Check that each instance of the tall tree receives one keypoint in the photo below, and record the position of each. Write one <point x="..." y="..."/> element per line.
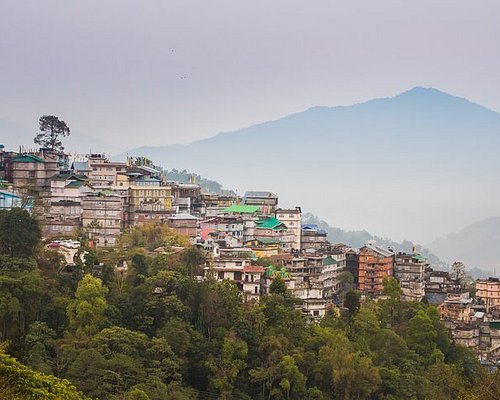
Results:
<point x="19" y="233"/>
<point x="51" y="130"/>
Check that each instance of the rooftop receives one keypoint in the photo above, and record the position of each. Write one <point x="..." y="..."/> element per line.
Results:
<point x="241" y="209"/>
<point x="27" y="158"/>
<point x="269" y="195"/>
<point x="270" y="223"/>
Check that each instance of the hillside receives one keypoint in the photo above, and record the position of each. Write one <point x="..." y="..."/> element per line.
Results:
<point x="406" y="166"/>
<point x="477" y="245"/>
<point x="358" y="239"/>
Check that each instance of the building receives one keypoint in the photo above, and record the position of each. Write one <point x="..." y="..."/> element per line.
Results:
<point x="186" y="197"/>
<point x="104" y="173"/>
<point x="375" y="264"/>
<point x="272" y="228"/>
<point x="409" y="270"/>
<point x="267" y="201"/>
<point x="437" y="286"/>
<point x="292" y="219"/>
<point x="184" y="224"/>
<point x="312" y="237"/>
<point x="9" y="200"/>
<point x="237" y="266"/>
<point x="488" y="292"/>
<point x="148" y="201"/>
<point x="30" y="173"/>
<point x="102" y="217"/>
<point x="457" y="307"/>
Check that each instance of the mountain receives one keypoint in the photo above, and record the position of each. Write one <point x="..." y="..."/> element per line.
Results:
<point x="477" y="246"/>
<point x="357" y="239"/>
<point x="405" y="166"/>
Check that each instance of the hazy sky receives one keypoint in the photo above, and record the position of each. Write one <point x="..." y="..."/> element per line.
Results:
<point x="158" y="72"/>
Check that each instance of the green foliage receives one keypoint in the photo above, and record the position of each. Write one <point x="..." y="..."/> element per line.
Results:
<point x="86" y="311"/>
<point x="19" y="233"/>
<point x="153" y="331"/>
<point x="18" y="382"/>
<point x="51" y="129"/>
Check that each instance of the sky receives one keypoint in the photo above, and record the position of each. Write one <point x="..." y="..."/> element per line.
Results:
<point x="156" y="72"/>
<point x="125" y="74"/>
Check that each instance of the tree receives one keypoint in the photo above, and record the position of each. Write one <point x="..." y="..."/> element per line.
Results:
<point x="51" y="129"/>
<point x="86" y="311"/>
<point x="19" y="233"/>
<point x="18" y="382"/>
<point x="352" y="302"/>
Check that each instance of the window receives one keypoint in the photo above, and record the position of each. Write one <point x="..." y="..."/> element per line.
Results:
<point x="256" y="289"/>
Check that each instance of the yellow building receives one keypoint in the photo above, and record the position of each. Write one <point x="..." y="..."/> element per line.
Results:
<point x="148" y="201"/>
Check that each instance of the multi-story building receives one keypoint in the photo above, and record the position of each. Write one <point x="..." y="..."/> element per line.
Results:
<point x="102" y="217"/>
<point x="267" y="201"/>
<point x="437" y="286"/>
<point x="184" y="224"/>
<point x="488" y="291"/>
<point x="375" y="264"/>
<point x="9" y="200"/>
<point x="236" y="266"/>
<point x="273" y="228"/>
<point x="186" y="197"/>
<point x="104" y="173"/>
<point x="352" y="264"/>
<point x="312" y="237"/>
<point x="30" y="173"/>
<point x="409" y="270"/>
<point x="292" y="219"/>
<point x="148" y="201"/>
<point x="456" y="307"/>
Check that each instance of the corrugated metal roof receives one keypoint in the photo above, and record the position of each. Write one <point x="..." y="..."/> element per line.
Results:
<point x="241" y="209"/>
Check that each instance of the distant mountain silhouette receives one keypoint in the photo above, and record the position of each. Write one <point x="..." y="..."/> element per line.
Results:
<point x="416" y="159"/>
<point x="477" y="245"/>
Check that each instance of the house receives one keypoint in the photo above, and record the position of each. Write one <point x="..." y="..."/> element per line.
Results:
<point x="237" y="266"/>
<point x="148" y="200"/>
<point x="186" y="197"/>
<point x="30" y="173"/>
<point x="437" y="286"/>
<point x="375" y="264"/>
<point x="312" y="237"/>
<point x="409" y="270"/>
<point x="273" y="228"/>
<point x="267" y="201"/>
<point x="488" y="292"/>
<point x="292" y="219"/>
<point x="102" y="216"/>
<point x="184" y="224"/>
<point x="264" y="247"/>
<point x="9" y="200"/>
<point x="456" y="307"/>
<point x="104" y="173"/>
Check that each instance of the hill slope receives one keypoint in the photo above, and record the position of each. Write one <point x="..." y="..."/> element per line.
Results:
<point x="409" y="165"/>
<point x="477" y="245"/>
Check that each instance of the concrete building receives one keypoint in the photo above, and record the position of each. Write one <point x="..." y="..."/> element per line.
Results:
<point x="313" y="237"/>
<point x="148" y="201"/>
<point x="102" y="217"/>
<point x="292" y="219"/>
<point x="184" y="224"/>
<point x="30" y="173"/>
<point x="9" y="200"/>
<point x="267" y="201"/>
<point x="488" y="292"/>
<point x="375" y="264"/>
<point x="409" y="270"/>
<point x="104" y="173"/>
<point x="272" y="228"/>
<point x="236" y="265"/>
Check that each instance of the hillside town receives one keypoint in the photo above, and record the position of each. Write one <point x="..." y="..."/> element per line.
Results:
<point x="249" y="240"/>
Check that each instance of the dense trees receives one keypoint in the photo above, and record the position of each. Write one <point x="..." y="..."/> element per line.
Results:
<point x="153" y="332"/>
